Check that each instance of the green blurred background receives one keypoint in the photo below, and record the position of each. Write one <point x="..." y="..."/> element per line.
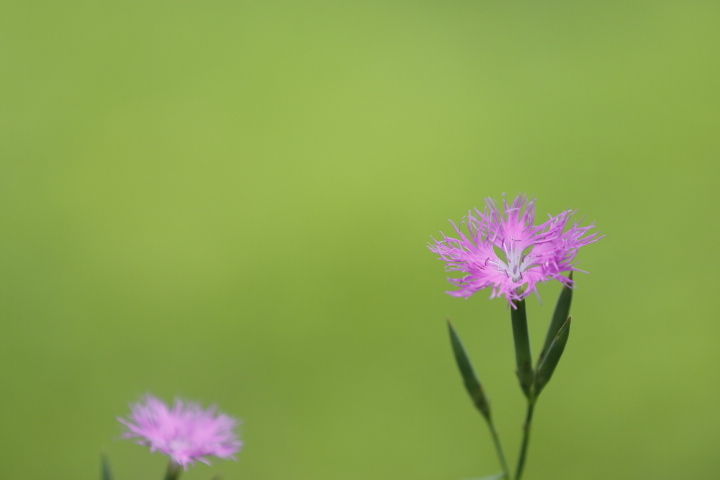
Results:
<point x="231" y="202"/>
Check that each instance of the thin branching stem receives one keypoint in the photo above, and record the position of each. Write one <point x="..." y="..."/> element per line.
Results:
<point x="499" y="449"/>
<point x="526" y="439"/>
<point x="173" y="471"/>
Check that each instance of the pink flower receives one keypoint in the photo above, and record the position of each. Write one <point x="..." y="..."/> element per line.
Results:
<point x="185" y="432"/>
<point x="507" y="252"/>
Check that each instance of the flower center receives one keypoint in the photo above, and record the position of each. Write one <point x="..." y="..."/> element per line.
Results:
<point x="517" y="261"/>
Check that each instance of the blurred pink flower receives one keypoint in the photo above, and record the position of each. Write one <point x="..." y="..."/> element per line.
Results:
<point x="507" y="252"/>
<point x="185" y="432"/>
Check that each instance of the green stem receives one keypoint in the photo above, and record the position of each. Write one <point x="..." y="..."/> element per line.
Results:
<point x="526" y="439"/>
<point x="173" y="471"/>
<point x="499" y="449"/>
<point x="523" y="357"/>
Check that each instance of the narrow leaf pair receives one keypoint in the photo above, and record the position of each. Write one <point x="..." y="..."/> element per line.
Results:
<point x="555" y="341"/>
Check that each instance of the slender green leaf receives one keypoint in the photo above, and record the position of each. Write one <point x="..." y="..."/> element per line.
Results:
<point x="472" y="384"/>
<point x="523" y="357"/>
<point x="106" y="471"/>
<point x="549" y="362"/>
<point x="562" y="312"/>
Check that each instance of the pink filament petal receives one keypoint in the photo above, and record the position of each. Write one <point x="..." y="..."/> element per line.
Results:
<point x="185" y="432"/>
<point x="506" y="252"/>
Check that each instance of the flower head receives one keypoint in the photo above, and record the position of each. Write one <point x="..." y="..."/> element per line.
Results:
<point x="185" y="432"/>
<point x="507" y="252"/>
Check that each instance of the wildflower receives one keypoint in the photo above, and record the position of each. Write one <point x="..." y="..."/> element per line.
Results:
<point x="508" y="253"/>
<point x="185" y="432"/>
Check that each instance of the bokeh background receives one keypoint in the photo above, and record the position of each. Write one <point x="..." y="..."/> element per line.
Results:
<point x="231" y="202"/>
